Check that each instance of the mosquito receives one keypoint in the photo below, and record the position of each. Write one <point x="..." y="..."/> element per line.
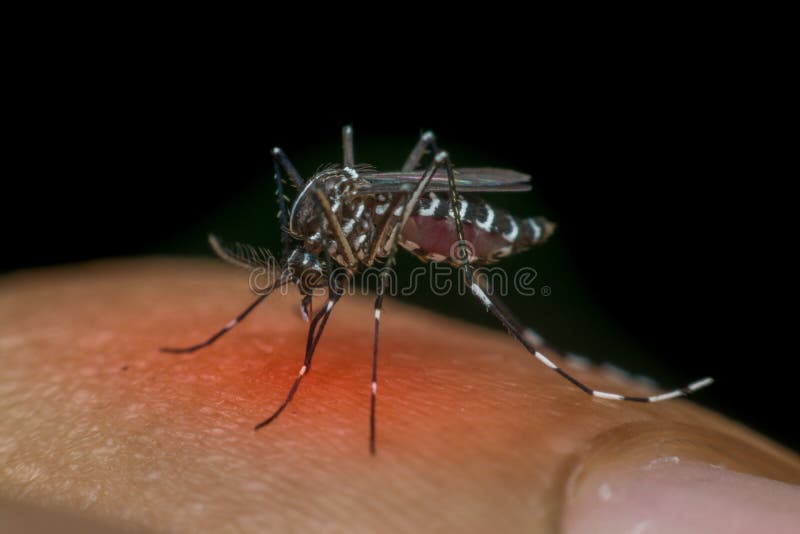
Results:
<point x="349" y="217"/>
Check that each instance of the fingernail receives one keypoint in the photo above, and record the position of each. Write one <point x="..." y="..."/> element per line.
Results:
<point x="669" y="495"/>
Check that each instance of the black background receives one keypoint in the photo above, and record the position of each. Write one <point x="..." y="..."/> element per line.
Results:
<point x="658" y="263"/>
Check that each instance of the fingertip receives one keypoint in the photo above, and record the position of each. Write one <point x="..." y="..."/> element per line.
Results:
<point x="669" y="495"/>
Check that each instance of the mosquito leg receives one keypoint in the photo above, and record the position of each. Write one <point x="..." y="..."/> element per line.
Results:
<point x="403" y="210"/>
<point x="303" y="369"/>
<point x="233" y="322"/>
<point x="426" y="140"/>
<point x="499" y="309"/>
<point x="396" y="217"/>
<point x="347" y="147"/>
<point x="493" y="304"/>
<point x="374" y="389"/>
<point x="321" y="318"/>
<point x="336" y="289"/>
<point x="279" y="160"/>
<point x="423" y="182"/>
<point x="532" y="336"/>
<point x="284" y="162"/>
<point x="335" y="226"/>
<point x="328" y="211"/>
<point x="305" y="308"/>
<point x="283" y="213"/>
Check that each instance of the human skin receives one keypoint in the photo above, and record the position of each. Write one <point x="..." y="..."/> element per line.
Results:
<point x="98" y="429"/>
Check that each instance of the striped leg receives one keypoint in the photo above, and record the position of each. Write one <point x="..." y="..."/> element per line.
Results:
<point x="305" y="308"/>
<point x="426" y="140"/>
<point x="531" y="335"/>
<point x="527" y="337"/>
<point x="335" y="227"/>
<point x="315" y="330"/>
<point x="283" y="212"/>
<point x="233" y="322"/>
<point x="280" y="161"/>
<point x="284" y="162"/>
<point x="394" y="222"/>
<point x="400" y="211"/>
<point x="374" y="389"/>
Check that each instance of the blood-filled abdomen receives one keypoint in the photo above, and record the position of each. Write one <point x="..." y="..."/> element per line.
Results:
<point x="489" y="233"/>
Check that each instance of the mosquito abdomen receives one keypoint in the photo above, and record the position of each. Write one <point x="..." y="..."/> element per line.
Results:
<point x="491" y="233"/>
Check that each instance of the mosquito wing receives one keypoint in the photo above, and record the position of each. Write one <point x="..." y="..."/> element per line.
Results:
<point x="468" y="180"/>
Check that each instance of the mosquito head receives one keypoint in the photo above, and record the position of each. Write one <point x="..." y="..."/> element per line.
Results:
<point x="304" y="213"/>
<point x="305" y="270"/>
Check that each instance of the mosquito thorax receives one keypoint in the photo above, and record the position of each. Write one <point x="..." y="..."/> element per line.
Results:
<point x="355" y="214"/>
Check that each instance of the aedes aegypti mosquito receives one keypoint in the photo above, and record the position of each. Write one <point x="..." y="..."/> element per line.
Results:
<point x="349" y="217"/>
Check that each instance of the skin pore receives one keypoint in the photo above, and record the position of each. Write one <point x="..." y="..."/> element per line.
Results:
<point x="98" y="429"/>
